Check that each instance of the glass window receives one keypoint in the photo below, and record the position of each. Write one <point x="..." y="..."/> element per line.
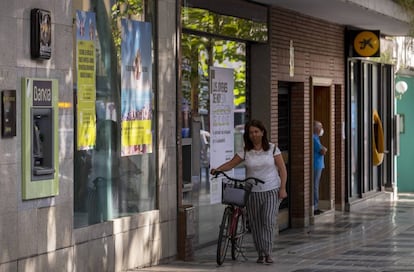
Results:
<point x="107" y="184"/>
<point x="355" y="95"/>
<point x="366" y="122"/>
<point x="202" y="20"/>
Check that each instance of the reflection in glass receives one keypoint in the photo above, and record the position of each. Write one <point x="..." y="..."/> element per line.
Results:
<point x="354" y="129"/>
<point x="106" y="185"/>
<point x="209" y="22"/>
<point x="199" y="53"/>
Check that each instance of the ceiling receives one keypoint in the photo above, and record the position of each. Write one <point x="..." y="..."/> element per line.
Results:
<point x="383" y="15"/>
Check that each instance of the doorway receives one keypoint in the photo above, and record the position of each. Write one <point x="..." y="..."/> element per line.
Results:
<point x="322" y="112"/>
<point x="212" y="36"/>
<point x="370" y="86"/>
<point x="284" y="146"/>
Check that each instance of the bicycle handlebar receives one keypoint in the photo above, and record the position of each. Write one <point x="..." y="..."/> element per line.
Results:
<point x="217" y="173"/>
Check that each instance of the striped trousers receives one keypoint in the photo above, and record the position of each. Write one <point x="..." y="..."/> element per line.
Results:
<point x="262" y="211"/>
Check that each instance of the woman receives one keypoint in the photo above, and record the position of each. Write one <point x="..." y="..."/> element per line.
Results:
<point x="264" y="161"/>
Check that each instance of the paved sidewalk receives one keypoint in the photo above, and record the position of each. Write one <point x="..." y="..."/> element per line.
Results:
<point x="379" y="238"/>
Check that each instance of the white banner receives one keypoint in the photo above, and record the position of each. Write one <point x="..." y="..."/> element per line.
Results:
<point x="221" y="123"/>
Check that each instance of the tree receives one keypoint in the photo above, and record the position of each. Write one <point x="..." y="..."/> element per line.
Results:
<point x="198" y="51"/>
<point x="123" y="9"/>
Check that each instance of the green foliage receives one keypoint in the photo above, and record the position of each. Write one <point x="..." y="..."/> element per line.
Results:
<point x="386" y="57"/>
<point x="222" y="25"/>
<point x="198" y="52"/>
<point x="123" y="9"/>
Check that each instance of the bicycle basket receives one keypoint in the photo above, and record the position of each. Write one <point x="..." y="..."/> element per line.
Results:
<point x="235" y="194"/>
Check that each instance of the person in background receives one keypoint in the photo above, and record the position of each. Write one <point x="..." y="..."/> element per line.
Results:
<point x="263" y="160"/>
<point x="319" y="152"/>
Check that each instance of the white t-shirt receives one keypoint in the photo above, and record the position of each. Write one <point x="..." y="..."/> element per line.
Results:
<point x="261" y="164"/>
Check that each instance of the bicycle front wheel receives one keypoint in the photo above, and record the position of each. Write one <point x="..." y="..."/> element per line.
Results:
<point x="237" y="239"/>
<point x="223" y="238"/>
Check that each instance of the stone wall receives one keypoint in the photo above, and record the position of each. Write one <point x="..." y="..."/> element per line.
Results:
<point x="38" y="235"/>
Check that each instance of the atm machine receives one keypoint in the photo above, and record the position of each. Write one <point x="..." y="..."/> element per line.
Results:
<point x="39" y="138"/>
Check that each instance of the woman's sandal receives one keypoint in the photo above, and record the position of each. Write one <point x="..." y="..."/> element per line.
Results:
<point x="260" y="259"/>
<point x="268" y="260"/>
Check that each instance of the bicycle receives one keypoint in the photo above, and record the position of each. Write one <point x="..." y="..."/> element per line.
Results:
<point x="233" y="224"/>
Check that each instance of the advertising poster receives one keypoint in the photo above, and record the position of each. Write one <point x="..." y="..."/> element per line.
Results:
<point x="136" y="88"/>
<point x="86" y="76"/>
<point x="221" y="123"/>
<point x="8" y="113"/>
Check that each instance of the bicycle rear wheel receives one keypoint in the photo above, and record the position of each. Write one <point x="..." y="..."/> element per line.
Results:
<point x="237" y="239"/>
<point x="223" y="239"/>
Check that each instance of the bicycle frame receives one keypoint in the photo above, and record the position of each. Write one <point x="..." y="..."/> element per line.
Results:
<point x="229" y="228"/>
<point x="236" y="213"/>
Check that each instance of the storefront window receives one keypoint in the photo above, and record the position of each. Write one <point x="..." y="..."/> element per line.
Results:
<point x="114" y="114"/>
<point x="202" y="20"/>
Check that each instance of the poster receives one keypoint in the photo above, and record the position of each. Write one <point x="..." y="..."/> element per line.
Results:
<point x="221" y="123"/>
<point x="86" y="77"/>
<point x="8" y="113"/>
<point x="136" y="88"/>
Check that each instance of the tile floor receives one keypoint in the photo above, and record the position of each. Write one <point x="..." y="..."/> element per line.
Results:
<point x="378" y="238"/>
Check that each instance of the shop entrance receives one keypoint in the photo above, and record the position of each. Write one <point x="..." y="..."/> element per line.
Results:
<point x="371" y="101"/>
<point x="212" y="36"/>
<point x="200" y="53"/>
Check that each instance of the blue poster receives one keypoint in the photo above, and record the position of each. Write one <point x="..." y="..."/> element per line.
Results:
<point x="85" y="25"/>
<point x="136" y="88"/>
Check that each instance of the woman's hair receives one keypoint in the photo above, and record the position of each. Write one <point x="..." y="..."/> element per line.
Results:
<point x="248" y="144"/>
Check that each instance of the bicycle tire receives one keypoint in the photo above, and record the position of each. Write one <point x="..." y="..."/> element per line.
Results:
<point x="223" y="238"/>
<point x="237" y="240"/>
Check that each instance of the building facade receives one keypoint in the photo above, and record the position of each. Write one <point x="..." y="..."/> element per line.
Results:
<point x="87" y="223"/>
<point x="105" y="127"/>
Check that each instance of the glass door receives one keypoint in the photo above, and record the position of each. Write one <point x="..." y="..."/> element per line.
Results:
<point x="198" y="54"/>
<point x="370" y="90"/>
<point x="355" y="131"/>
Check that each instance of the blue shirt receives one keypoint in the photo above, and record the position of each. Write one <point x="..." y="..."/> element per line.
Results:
<point x="318" y="161"/>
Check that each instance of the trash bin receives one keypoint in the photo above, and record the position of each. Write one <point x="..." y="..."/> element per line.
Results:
<point x="186" y="232"/>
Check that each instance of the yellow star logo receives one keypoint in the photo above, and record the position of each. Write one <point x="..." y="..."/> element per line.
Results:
<point x="366" y="43"/>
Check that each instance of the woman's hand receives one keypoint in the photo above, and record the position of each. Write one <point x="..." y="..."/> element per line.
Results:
<point x="228" y="165"/>
<point x="282" y="193"/>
